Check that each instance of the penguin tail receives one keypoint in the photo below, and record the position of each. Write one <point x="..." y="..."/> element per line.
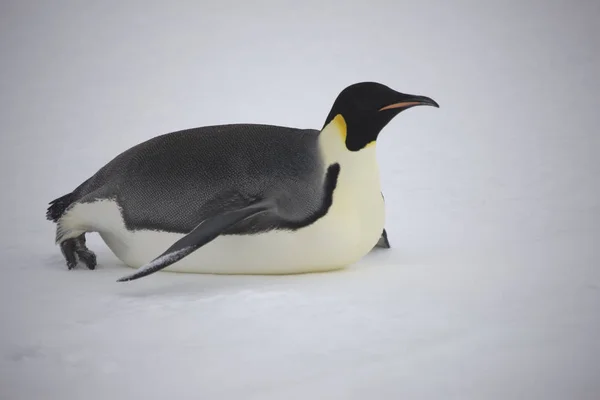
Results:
<point x="58" y="207"/>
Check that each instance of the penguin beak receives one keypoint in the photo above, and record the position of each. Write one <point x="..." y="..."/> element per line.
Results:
<point x="411" y="101"/>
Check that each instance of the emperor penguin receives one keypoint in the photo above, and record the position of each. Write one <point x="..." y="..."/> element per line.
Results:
<point x="241" y="198"/>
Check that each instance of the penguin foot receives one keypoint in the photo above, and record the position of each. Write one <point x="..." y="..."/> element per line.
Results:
<point x="68" y="249"/>
<point x="75" y="250"/>
<point x="86" y="255"/>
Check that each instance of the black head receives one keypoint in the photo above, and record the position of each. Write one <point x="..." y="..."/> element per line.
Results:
<point x="368" y="107"/>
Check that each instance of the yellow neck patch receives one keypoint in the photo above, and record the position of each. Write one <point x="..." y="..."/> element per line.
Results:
<point x="340" y="124"/>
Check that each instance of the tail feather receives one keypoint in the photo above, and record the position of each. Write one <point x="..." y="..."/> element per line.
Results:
<point x="58" y="207"/>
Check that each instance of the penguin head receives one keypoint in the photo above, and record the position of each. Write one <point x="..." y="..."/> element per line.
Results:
<point x="367" y="107"/>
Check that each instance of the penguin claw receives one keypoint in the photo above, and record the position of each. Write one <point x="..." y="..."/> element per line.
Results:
<point x="88" y="257"/>
<point x="75" y="250"/>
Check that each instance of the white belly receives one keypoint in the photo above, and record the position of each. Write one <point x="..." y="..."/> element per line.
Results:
<point x="333" y="242"/>
<point x="349" y="230"/>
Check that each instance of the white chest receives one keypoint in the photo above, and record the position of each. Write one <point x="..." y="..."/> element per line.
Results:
<point x="358" y="204"/>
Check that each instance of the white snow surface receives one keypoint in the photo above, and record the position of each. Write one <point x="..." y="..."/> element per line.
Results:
<point x="491" y="289"/>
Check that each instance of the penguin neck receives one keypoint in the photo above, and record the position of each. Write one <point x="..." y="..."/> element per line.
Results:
<point x="360" y="167"/>
<point x="357" y="204"/>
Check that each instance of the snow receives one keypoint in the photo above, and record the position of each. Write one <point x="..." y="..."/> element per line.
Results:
<point x="491" y="289"/>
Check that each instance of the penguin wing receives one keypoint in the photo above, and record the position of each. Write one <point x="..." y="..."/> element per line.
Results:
<point x="383" y="241"/>
<point x="206" y="231"/>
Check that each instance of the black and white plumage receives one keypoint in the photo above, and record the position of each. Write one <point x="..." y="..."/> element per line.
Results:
<point x="241" y="198"/>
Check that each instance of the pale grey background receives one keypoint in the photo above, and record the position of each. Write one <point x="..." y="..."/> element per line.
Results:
<point x="492" y="288"/>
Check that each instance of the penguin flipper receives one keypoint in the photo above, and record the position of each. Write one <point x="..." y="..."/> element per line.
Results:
<point x="383" y="242"/>
<point x="203" y="233"/>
